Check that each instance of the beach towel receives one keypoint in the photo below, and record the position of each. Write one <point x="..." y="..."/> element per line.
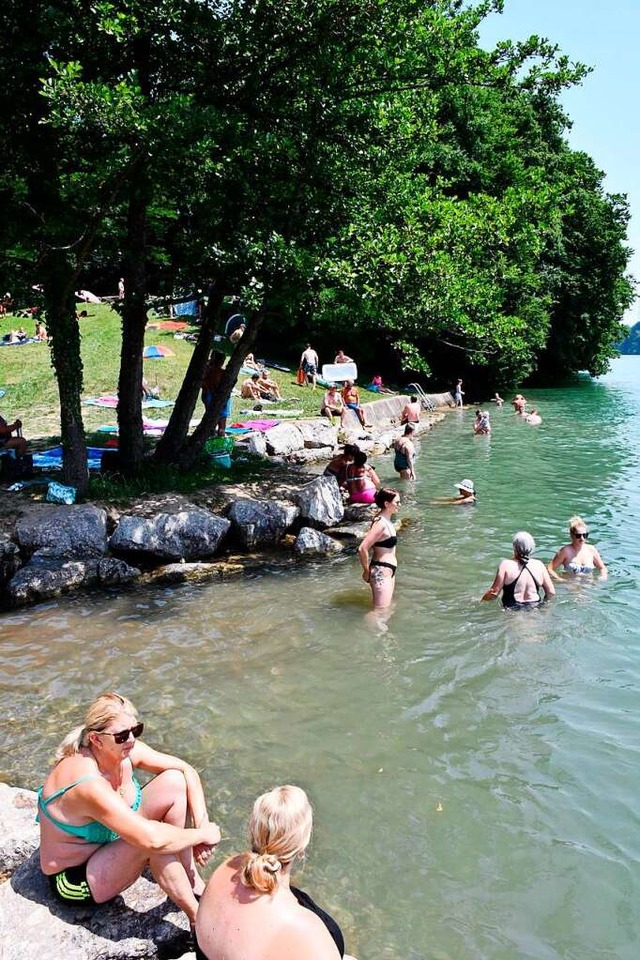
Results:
<point x="154" y="352"/>
<point x="52" y="459"/>
<point x="168" y="325"/>
<point x="110" y="401"/>
<point x="261" y="425"/>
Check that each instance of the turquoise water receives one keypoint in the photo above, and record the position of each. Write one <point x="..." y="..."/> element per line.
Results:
<point x="474" y="771"/>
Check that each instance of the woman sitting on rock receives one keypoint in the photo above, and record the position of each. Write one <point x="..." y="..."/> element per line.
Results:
<point x="250" y="910"/>
<point x="99" y="829"/>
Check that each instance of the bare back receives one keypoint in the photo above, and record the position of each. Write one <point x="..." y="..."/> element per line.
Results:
<point x="237" y="923"/>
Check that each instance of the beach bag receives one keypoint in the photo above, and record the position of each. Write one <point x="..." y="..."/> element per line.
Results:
<point x="59" y="493"/>
<point x="301" y="377"/>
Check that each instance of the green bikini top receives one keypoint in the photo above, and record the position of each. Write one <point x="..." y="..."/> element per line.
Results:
<point x="92" y="832"/>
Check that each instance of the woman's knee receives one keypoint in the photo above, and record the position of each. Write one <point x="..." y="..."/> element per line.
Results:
<point x="168" y="789"/>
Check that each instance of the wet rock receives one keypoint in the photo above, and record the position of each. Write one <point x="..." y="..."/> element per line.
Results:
<point x="309" y="455"/>
<point x="312" y="542"/>
<point x="261" y="522"/>
<point x="112" y="572"/>
<point x="190" y="535"/>
<point x="350" y="531"/>
<point x="194" y="572"/>
<point x="284" y="439"/>
<point x="46" y="577"/>
<point x="9" y="560"/>
<point x="72" y="531"/>
<point x="357" y="512"/>
<point x="320" y="502"/>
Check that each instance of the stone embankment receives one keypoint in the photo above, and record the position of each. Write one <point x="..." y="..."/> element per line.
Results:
<point x="52" y="550"/>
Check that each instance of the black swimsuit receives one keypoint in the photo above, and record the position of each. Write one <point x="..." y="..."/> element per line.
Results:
<point x="305" y="901"/>
<point x="509" y="589"/>
<point x="386" y="544"/>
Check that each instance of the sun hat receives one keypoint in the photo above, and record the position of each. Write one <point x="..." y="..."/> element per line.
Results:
<point x="466" y="485"/>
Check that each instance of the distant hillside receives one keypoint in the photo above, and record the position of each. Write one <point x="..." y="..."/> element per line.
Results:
<point x="631" y="344"/>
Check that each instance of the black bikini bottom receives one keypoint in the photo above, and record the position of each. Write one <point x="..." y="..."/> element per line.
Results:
<point x="383" y="563"/>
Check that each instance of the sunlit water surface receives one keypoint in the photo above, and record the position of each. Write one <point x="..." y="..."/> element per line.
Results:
<point x="474" y="772"/>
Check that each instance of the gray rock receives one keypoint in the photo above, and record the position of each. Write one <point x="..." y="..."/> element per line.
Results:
<point x="311" y="454"/>
<point x="72" y="531"/>
<point x="9" y="560"/>
<point x="320" y="502"/>
<point x="284" y="439"/>
<point x="254" y="444"/>
<point x="357" y="512"/>
<point x="45" y="577"/>
<point x="350" y="531"/>
<point x="311" y="542"/>
<point x="318" y="432"/>
<point x="260" y="522"/>
<point x="190" y="535"/>
<point x="19" y="833"/>
<point x="112" y="572"/>
<point x="195" y="572"/>
<point x="139" y="923"/>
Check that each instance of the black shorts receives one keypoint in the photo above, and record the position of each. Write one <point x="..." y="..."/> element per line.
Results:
<point x="70" y="885"/>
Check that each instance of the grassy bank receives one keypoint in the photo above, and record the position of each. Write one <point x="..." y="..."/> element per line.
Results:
<point x="27" y="376"/>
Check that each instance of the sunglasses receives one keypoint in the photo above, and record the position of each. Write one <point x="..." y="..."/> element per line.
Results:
<point x="123" y="735"/>
<point x="581" y="536"/>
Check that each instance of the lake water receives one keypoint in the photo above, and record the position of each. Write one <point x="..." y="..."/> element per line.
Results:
<point x="475" y="772"/>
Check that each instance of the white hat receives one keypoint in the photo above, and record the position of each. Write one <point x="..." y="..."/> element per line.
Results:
<point x="466" y="485"/>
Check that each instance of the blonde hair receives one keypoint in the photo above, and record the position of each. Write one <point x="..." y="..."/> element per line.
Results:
<point x="576" y="522"/>
<point x="279" y="831"/>
<point x="101" y="712"/>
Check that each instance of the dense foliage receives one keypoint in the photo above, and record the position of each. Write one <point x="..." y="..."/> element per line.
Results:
<point x="355" y="170"/>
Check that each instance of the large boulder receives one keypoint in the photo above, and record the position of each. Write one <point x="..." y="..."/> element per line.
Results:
<point x="261" y="522"/>
<point x="141" y="922"/>
<point x="320" y="502"/>
<point x="66" y="531"/>
<point x="284" y="439"/>
<point x="189" y="535"/>
<point x="318" y="433"/>
<point x="314" y="543"/>
<point x="19" y="833"/>
<point x="311" y="455"/>
<point x="47" y="575"/>
<point x="253" y="443"/>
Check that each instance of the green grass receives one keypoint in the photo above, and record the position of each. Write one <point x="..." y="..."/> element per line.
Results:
<point x="27" y="377"/>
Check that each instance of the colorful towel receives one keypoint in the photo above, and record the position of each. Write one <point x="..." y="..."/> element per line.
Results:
<point x="168" y="325"/>
<point x="112" y="402"/>
<point x="52" y="459"/>
<point x="261" y="425"/>
<point x="154" y="352"/>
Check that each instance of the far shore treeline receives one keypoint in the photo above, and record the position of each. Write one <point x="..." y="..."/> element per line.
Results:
<point x="357" y="172"/>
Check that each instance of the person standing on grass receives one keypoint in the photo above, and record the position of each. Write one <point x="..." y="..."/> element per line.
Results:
<point x="309" y="363"/>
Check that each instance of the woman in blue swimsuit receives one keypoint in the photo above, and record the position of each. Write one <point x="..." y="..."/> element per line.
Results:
<point x="577" y="556"/>
<point x="521" y="579"/>
<point x="99" y="829"/>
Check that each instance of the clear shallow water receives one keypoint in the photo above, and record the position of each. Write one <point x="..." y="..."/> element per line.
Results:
<point x="474" y="772"/>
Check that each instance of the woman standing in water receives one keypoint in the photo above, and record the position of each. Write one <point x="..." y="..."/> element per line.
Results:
<point x="578" y="556"/>
<point x="521" y="578"/>
<point x="380" y="571"/>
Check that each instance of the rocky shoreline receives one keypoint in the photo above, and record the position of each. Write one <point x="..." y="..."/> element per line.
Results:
<point x="49" y="550"/>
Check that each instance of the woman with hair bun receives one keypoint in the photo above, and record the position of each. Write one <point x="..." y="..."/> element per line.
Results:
<point x="250" y="910"/>
<point x="380" y="571"/>
<point x="99" y="829"/>
<point x="521" y="578"/>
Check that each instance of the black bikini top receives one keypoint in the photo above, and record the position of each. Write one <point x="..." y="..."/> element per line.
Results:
<point x="389" y="542"/>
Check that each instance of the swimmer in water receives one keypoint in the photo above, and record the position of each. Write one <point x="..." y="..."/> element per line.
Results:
<point x="577" y="556"/>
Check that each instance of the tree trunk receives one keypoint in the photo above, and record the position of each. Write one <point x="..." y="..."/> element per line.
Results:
<point x="192" y="449"/>
<point x="172" y="441"/>
<point x="58" y="275"/>
<point x="134" y="320"/>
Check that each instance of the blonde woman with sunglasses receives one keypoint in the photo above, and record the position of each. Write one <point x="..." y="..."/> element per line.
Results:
<point x="99" y="829"/>
<point x="578" y="556"/>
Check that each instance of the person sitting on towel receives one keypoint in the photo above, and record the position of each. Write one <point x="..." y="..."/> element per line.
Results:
<point x="249" y="389"/>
